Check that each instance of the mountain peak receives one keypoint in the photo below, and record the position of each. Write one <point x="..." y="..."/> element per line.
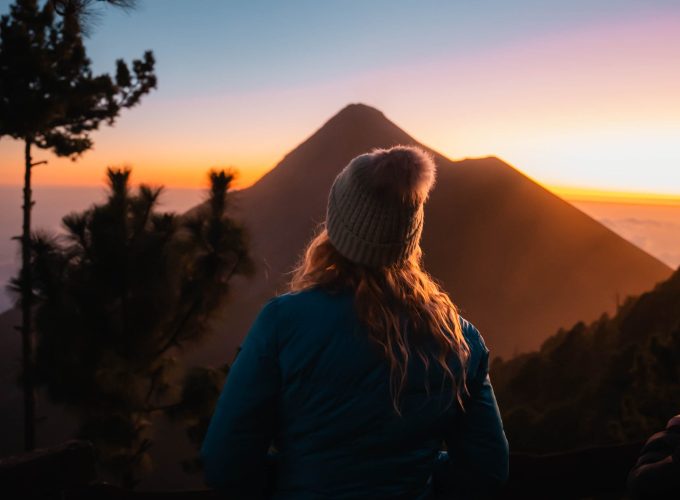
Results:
<point x="364" y="125"/>
<point x="358" y="109"/>
<point x="357" y="128"/>
<point x="358" y="115"/>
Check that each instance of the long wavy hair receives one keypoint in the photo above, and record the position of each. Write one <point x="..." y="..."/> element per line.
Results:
<point x="403" y="307"/>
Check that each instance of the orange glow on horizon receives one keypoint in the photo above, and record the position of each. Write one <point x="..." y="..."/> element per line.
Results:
<point x="590" y="113"/>
<point x="571" y="193"/>
<point x="181" y="176"/>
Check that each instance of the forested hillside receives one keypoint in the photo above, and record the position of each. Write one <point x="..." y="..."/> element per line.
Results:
<point x="615" y="380"/>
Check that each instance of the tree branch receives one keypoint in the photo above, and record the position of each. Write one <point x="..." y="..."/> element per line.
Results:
<point x="173" y="339"/>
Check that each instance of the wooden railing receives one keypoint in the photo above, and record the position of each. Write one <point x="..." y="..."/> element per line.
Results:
<point x="68" y="472"/>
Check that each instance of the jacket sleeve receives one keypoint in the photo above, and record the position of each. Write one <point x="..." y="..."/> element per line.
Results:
<point x="234" y="451"/>
<point x="478" y="453"/>
<point x="657" y="472"/>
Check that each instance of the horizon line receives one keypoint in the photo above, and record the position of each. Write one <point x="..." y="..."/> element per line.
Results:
<point x="569" y="193"/>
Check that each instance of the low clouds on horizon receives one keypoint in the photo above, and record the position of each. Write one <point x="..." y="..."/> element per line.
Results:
<point x="655" y="229"/>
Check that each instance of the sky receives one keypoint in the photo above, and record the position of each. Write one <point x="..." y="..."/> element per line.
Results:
<point x="581" y="96"/>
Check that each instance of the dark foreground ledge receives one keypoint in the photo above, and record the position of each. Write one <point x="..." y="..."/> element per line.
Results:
<point x="67" y="472"/>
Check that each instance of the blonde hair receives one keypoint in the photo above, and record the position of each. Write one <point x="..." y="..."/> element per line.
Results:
<point x="384" y="297"/>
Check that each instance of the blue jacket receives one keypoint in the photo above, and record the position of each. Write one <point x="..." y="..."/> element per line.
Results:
<point x="308" y="381"/>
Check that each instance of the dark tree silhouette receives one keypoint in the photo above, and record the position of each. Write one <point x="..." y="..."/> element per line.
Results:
<point x="88" y="11"/>
<point x="616" y="380"/>
<point x="116" y="296"/>
<point x="50" y="99"/>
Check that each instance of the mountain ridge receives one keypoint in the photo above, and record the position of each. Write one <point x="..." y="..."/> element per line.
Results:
<point x="502" y="213"/>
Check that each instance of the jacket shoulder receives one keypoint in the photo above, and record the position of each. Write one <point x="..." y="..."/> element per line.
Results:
<point x="302" y="300"/>
<point x="478" y="362"/>
<point x="300" y="307"/>
<point x="297" y="296"/>
<point x="473" y="337"/>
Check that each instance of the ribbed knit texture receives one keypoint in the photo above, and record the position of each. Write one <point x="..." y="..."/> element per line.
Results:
<point x="369" y="227"/>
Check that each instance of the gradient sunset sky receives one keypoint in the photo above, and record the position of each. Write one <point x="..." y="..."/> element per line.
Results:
<point x="582" y="96"/>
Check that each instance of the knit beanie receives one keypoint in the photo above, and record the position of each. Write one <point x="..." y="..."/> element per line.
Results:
<point x="375" y="207"/>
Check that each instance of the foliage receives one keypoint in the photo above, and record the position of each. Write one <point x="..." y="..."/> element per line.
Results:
<point x="116" y="295"/>
<point x="49" y="96"/>
<point x="615" y="380"/>
<point x="88" y="12"/>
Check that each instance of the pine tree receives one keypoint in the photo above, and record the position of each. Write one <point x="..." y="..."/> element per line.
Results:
<point x="116" y="297"/>
<point x="50" y="99"/>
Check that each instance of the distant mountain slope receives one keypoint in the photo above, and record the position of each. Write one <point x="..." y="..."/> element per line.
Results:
<point x="615" y="380"/>
<point x="520" y="261"/>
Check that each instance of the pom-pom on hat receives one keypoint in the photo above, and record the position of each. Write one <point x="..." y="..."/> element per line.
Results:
<point x="375" y="207"/>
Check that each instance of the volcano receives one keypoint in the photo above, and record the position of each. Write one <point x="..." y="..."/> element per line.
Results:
<point x="519" y="261"/>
